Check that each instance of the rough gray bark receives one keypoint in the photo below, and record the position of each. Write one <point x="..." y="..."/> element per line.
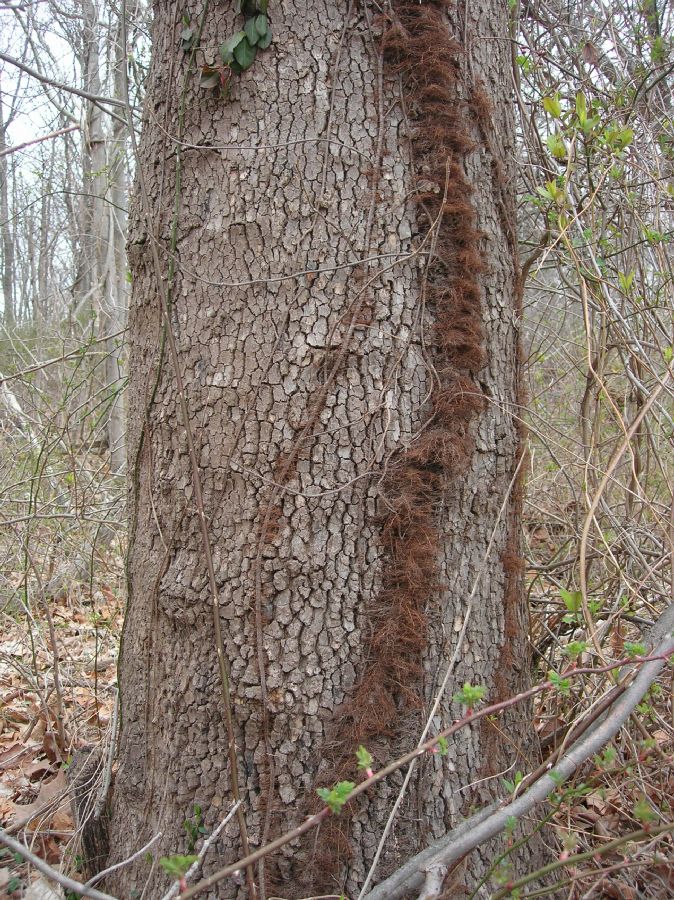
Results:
<point x="307" y="349"/>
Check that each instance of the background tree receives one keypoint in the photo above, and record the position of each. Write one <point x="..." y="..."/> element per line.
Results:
<point x="324" y="505"/>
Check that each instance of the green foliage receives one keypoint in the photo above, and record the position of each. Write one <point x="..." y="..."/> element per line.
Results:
<point x="336" y="796"/>
<point x="563" y="685"/>
<point x="573" y="600"/>
<point x="606" y="759"/>
<point x="525" y="63"/>
<point x="470" y="694"/>
<point x="643" y="812"/>
<point x="443" y="746"/>
<point x="557" y="146"/>
<point x="238" y="52"/>
<point x="187" y="38"/>
<point x="553" y="106"/>
<point x="511" y="786"/>
<point x="635" y="649"/>
<point x="574" y="649"/>
<point x="557" y="777"/>
<point x="194" y="828"/>
<point x="364" y="758"/>
<point x="176" y="866"/>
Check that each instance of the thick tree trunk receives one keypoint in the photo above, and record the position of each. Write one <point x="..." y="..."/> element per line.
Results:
<point x="343" y="293"/>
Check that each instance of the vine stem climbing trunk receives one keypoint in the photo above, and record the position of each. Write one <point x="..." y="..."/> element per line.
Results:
<point x="339" y="258"/>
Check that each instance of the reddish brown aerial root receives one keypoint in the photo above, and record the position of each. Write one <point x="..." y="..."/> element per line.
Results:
<point x="417" y="48"/>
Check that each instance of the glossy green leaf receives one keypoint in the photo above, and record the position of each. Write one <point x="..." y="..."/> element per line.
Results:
<point x="227" y="49"/>
<point x="245" y="54"/>
<point x="251" y="32"/>
<point x="265" y="41"/>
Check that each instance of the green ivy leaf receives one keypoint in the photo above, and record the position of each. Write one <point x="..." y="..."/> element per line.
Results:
<point x="261" y="25"/>
<point x="245" y="54"/>
<point x="251" y="32"/>
<point x="227" y="49"/>
<point x="265" y="41"/>
<point x="210" y="79"/>
<point x="187" y="38"/>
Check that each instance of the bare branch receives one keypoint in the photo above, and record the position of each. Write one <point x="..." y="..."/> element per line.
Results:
<point x="93" y="98"/>
<point x="39" y="140"/>
<point x="75" y="886"/>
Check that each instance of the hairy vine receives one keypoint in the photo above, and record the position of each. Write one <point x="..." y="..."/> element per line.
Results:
<point x="419" y="52"/>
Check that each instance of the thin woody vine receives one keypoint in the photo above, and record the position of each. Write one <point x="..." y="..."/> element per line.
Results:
<point x="238" y="52"/>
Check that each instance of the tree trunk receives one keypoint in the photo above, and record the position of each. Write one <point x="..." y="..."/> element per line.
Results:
<point x="116" y="294"/>
<point x="100" y="285"/>
<point x="6" y="232"/>
<point x="343" y="295"/>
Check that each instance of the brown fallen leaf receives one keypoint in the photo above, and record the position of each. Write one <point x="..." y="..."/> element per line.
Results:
<point x="44" y="808"/>
<point x="11" y="757"/>
<point x="39" y="769"/>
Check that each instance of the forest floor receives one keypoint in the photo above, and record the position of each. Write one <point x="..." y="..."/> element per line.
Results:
<point x="45" y="720"/>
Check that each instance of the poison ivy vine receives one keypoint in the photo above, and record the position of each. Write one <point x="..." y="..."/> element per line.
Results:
<point x="239" y="51"/>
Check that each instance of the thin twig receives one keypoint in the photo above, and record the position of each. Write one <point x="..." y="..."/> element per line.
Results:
<point x="475" y="832"/>
<point x="651" y="665"/>
<point x="38" y="140"/>
<point x="68" y="883"/>
<point x="196" y="865"/>
<point x="125" y="862"/>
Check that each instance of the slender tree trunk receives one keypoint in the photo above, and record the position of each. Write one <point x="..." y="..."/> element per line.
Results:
<point x="6" y="234"/>
<point x="41" y="298"/>
<point x="101" y="280"/>
<point x="343" y="295"/>
<point x="116" y="294"/>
